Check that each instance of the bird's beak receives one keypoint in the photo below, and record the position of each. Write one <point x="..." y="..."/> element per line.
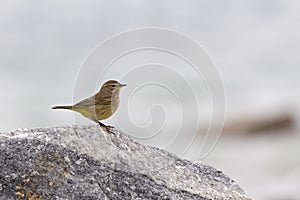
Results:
<point x="122" y="85"/>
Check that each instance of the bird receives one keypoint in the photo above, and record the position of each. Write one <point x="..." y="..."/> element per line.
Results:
<point x="100" y="106"/>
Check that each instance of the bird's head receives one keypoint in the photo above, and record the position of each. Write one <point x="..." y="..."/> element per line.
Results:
<point x="112" y="87"/>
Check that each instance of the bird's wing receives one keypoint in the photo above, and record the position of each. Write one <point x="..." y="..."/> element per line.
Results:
<point x="91" y="102"/>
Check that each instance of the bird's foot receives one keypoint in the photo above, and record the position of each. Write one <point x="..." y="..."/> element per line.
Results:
<point x="108" y="129"/>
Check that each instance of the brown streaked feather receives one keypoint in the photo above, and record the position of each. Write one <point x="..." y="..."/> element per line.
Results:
<point x="91" y="102"/>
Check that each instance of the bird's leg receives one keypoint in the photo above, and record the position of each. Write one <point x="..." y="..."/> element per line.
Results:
<point x="101" y="124"/>
<point x="107" y="128"/>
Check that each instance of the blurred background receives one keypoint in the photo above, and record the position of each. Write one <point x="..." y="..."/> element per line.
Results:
<point x="254" y="44"/>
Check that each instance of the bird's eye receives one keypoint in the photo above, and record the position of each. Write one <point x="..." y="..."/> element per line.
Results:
<point x="113" y="86"/>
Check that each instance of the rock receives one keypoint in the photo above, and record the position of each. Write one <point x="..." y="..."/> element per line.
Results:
<point x="77" y="162"/>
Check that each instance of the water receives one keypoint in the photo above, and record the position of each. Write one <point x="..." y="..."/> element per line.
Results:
<point x="255" y="45"/>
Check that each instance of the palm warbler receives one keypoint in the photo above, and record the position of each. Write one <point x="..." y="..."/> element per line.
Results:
<point x="100" y="106"/>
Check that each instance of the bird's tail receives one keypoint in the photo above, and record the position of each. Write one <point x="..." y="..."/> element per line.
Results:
<point x="63" y="107"/>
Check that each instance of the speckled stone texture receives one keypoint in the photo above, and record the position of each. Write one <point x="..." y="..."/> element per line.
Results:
<point x="78" y="162"/>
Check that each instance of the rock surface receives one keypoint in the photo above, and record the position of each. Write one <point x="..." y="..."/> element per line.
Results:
<point x="77" y="162"/>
